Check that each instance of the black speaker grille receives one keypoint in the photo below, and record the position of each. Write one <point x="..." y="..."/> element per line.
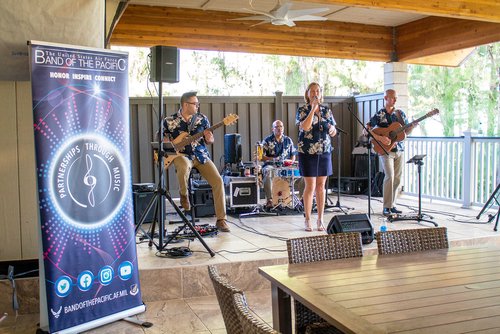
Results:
<point x="352" y="223"/>
<point x="164" y="64"/>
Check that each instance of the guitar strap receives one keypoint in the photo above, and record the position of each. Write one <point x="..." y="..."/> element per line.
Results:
<point x="192" y="123"/>
<point x="400" y="118"/>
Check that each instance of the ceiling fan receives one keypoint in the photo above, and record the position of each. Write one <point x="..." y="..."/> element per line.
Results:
<point x="282" y="15"/>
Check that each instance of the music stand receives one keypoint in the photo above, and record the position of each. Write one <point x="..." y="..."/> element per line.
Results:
<point x="328" y="207"/>
<point x="161" y="193"/>
<point x="420" y="217"/>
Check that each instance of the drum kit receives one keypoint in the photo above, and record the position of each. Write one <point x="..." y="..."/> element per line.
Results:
<point x="283" y="176"/>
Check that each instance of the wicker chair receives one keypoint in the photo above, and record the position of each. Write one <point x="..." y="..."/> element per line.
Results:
<point x="320" y="248"/>
<point x="224" y="292"/>
<point x="249" y="323"/>
<point x="412" y="240"/>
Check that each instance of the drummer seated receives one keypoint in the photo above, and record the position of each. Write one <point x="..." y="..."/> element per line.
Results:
<point x="277" y="150"/>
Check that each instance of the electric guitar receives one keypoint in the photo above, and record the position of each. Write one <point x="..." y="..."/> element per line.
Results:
<point x="396" y="133"/>
<point x="184" y="139"/>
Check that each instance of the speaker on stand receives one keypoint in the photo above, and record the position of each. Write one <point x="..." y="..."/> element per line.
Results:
<point x="164" y="64"/>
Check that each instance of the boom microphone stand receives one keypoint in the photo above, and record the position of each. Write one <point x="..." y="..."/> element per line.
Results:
<point x="339" y="153"/>
<point x="161" y="193"/>
<point x="368" y="146"/>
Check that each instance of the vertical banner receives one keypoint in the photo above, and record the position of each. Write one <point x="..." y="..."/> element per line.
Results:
<point x="89" y="272"/>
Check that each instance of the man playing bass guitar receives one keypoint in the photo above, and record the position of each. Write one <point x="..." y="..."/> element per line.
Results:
<point x="189" y="121"/>
<point x="392" y="163"/>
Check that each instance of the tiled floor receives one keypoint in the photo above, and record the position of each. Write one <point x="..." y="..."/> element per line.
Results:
<point x="262" y="238"/>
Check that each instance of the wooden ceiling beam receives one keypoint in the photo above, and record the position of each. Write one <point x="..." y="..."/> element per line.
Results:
<point x="146" y="26"/>
<point x="477" y="10"/>
<point x="436" y="35"/>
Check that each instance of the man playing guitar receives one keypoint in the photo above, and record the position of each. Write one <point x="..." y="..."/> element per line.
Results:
<point x="189" y="121"/>
<point x="393" y="162"/>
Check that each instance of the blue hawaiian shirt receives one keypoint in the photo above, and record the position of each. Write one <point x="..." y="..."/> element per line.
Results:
<point x="383" y="119"/>
<point x="175" y="125"/>
<point x="275" y="149"/>
<point x="316" y="140"/>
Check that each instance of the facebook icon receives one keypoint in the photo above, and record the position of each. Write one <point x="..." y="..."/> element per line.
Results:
<point x="85" y="280"/>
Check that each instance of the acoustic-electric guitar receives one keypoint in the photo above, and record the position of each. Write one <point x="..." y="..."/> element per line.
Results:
<point x="184" y="139"/>
<point x="396" y="133"/>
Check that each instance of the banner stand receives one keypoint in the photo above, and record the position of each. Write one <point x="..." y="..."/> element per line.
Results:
<point x="89" y="274"/>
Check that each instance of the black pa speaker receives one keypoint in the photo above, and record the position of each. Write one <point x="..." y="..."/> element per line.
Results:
<point x="352" y="223"/>
<point x="232" y="148"/>
<point x="164" y="64"/>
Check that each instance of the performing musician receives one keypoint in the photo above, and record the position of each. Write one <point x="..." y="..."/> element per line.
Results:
<point x="189" y="120"/>
<point x="392" y="163"/>
<point x="278" y="151"/>
<point x="316" y="127"/>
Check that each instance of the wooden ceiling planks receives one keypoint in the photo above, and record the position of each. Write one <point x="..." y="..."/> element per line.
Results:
<point x="197" y="29"/>
<point x="436" y="35"/>
<point x="477" y="10"/>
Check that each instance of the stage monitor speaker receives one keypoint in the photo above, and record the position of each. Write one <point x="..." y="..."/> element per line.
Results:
<point x="352" y="223"/>
<point x="164" y="64"/>
<point x="232" y="148"/>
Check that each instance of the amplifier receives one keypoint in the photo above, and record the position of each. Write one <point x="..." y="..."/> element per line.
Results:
<point x="352" y="223"/>
<point x="141" y="201"/>
<point x="143" y="187"/>
<point x="203" y="199"/>
<point x="242" y="192"/>
<point x="350" y="185"/>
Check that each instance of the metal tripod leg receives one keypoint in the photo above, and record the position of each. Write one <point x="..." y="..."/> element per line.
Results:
<point x="187" y="223"/>
<point x="418" y="218"/>
<point x="150" y="235"/>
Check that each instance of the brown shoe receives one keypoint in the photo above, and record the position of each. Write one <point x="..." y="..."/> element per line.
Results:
<point x="185" y="202"/>
<point x="222" y="225"/>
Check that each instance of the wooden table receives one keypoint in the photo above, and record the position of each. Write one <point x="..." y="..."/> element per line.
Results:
<point x="443" y="291"/>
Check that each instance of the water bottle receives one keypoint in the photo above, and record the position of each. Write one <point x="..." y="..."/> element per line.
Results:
<point x="383" y="227"/>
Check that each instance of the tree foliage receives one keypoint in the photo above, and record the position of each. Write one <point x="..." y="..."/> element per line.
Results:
<point x="467" y="96"/>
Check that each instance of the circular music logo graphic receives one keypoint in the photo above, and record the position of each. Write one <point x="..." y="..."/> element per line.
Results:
<point x="87" y="181"/>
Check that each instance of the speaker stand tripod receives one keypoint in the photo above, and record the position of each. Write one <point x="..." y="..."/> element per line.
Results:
<point x="420" y="217"/>
<point x="161" y="194"/>
<point x="328" y="207"/>
<point x="494" y="196"/>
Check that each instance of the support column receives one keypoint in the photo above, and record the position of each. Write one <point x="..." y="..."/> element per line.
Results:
<point x="278" y="105"/>
<point x="396" y="77"/>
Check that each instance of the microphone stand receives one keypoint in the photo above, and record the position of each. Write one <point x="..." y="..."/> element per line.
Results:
<point x="369" y="150"/>
<point x="339" y="151"/>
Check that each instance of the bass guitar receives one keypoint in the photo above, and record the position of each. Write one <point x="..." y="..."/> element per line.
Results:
<point x="184" y="139"/>
<point x="396" y="133"/>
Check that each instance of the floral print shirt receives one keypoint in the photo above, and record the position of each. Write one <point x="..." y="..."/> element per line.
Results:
<point x="316" y="140"/>
<point x="383" y="119"/>
<point x="275" y="149"/>
<point x="175" y="125"/>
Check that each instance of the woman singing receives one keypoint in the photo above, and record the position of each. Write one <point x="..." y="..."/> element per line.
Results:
<point x="316" y="127"/>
